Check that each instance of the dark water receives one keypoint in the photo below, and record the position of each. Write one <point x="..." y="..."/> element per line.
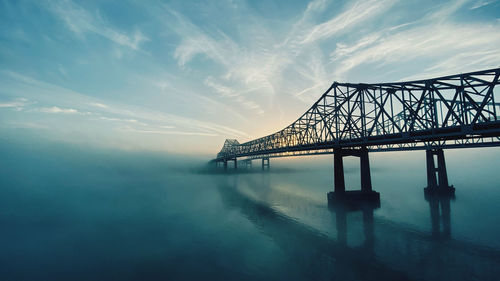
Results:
<point x="70" y="213"/>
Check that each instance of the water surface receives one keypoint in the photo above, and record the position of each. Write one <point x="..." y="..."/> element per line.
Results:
<point x="69" y="213"/>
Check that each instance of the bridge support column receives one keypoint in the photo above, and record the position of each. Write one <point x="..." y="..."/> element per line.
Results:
<point x="265" y="164"/>
<point x="340" y="194"/>
<point x="338" y="171"/>
<point x="366" y="178"/>
<point x="230" y="159"/>
<point x="437" y="178"/>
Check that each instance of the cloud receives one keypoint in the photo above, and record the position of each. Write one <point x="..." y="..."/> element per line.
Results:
<point x="222" y="90"/>
<point x="195" y="41"/>
<point x="263" y="69"/>
<point x="468" y="60"/>
<point x="27" y="125"/>
<point x="448" y="46"/>
<point x="18" y="103"/>
<point x="248" y="71"/>
<point x="77" y="103"/>
<point x="344" y="50"/>
<point x="99" y="105"/>
<point x="481" y="3"/>
<point x="228" y="92"/>
<point x="58" y="110"/>
<point x="265" y="66"/>
<point x="118" y="119"/>
<point x="166" y="132"/>
<point x="80" y="21"/>
<point x="359" y="12"/>
<point x="125" y="120"/>
<point x="315" y="6"/>
<point x="445" y="10"/>
<point x="173" y="86"/>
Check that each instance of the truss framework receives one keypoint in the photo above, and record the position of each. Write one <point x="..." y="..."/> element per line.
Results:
<point x="453" y="111"/>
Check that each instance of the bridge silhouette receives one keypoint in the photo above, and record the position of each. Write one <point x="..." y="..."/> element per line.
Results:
<point x="353" y="119"/>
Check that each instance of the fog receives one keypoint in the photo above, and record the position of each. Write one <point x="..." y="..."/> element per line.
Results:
<point x="76" y="212"/>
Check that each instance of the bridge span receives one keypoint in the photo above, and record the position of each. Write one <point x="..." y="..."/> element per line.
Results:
<point x="353" y="119"/>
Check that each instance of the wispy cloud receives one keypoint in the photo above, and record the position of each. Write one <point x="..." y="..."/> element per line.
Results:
<point x="166" y="132"/>
<point x="221" y="89"/>
<point x="18" y="103"/>
<point x="266" y="62"/>
<point x="58" y="110"/>
<point x="27" y="125"/>
<point x="80" y="21"/>
<point x="344" y="50"/>
<point x="99" y="105"/>
<point x="243" y="77"/>
<point x="448" y="46"/>
<point x="359" y="12"/>
<point x="77" y="103"/>
<point x="481" y="3"/>
<point x="118" y="119"/>
<point x="239" y="97"/>
<point x="445" y="10"/>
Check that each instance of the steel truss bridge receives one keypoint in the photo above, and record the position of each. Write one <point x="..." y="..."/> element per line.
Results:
<point x="349" y="119"/>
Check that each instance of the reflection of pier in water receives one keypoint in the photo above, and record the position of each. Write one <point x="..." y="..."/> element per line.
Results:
<point x="390" y="251"/>
<point x="440" y="217"/>
<point x="316" y="253"/>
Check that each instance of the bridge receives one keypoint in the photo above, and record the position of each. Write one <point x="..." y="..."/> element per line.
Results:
<point x="353" y="119"/>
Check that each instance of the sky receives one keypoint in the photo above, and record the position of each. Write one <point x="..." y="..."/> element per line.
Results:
<point x="182" y="76"/>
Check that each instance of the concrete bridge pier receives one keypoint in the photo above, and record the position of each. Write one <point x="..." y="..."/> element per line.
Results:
<point x="219" y="163"/>
<point x="338" y="172"/>
<point x="340" y="194"/>
<point x="437" y="178"/>
<point x="230" y="159"/>
<point x="265" y="164"/>
<point x="248" y="163"/>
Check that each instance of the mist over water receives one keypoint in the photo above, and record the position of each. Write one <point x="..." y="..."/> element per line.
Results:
<point x="79" y="213"/>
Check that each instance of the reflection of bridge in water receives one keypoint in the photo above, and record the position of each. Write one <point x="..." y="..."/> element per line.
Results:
<point x="457" y="111"/>
<point x="390" y="251"/>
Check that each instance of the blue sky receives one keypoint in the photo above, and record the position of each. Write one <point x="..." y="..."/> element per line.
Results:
<point x="182" y="76"/>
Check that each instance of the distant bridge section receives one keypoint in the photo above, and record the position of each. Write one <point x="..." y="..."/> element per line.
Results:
<point x="351" y="119"/>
